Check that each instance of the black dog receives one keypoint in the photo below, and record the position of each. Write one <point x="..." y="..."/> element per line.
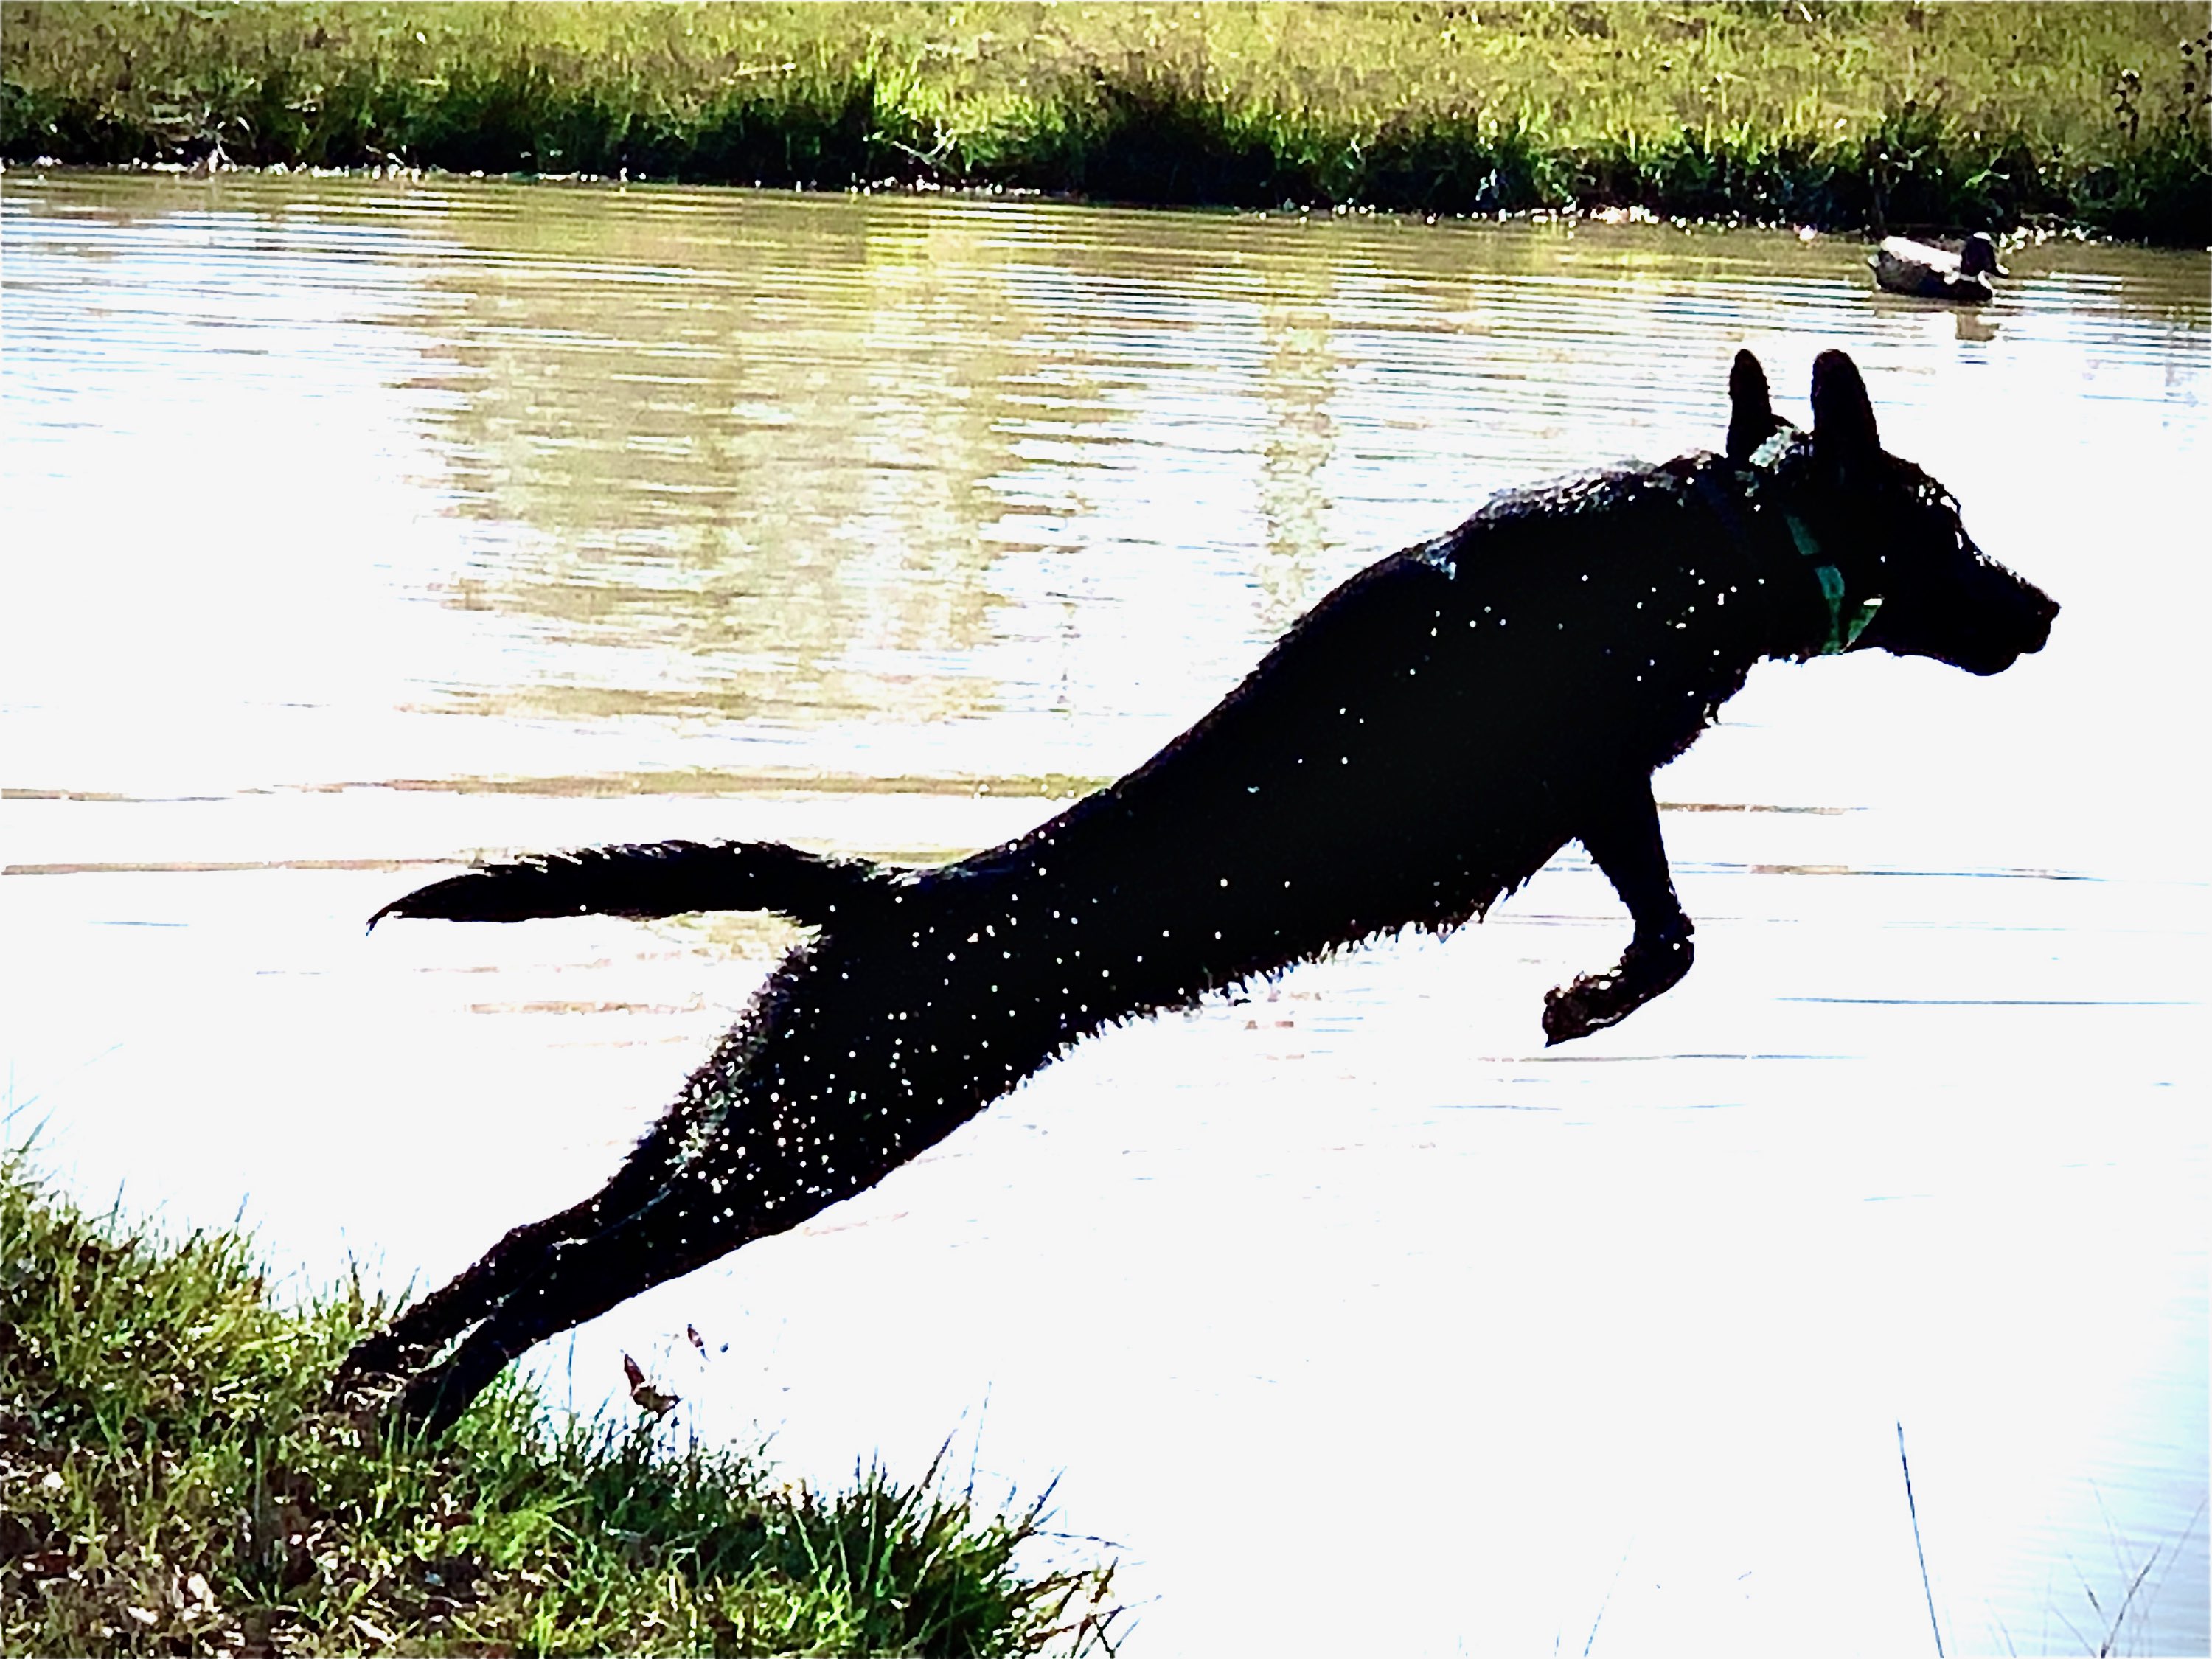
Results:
<point x="1419" y="744"/>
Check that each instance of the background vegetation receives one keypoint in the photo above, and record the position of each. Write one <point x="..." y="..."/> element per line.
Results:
<point x="169" y="1483"/>
<point x="1829" y="112"/>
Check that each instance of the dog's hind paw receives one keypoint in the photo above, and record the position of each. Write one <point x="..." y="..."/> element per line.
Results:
<point x="1594" y="1001"/>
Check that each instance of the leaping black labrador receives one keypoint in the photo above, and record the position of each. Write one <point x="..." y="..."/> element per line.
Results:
<point x="1417" y="746"/>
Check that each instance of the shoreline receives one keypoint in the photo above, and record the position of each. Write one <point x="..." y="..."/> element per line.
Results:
<point x="2028" y="233"/>
<point x="2092" y="120"/>
<point x="176" y="1481"/>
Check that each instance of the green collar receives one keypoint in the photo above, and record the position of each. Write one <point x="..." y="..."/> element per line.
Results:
<point x="1844" y="626"/>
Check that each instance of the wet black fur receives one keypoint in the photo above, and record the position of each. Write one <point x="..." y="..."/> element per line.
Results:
<point x="1419" y="744"/>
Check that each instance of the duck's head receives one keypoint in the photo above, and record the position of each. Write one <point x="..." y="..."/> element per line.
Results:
<point x="1979" y="257"/>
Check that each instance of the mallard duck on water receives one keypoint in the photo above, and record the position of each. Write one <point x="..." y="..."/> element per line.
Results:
<point x="1935" y="273"/>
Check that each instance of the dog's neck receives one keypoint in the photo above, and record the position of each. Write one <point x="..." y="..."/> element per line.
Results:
<point x="1737" y="495"/>
<point x="1846" y="622"/>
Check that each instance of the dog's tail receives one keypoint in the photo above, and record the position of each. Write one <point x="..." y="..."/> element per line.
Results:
<point x="658" y="878"/>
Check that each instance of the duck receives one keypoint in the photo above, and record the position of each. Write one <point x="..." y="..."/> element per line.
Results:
<point x="1935" y="273"/>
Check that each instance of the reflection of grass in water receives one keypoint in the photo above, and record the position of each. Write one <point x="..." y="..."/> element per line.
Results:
<point x="2110" y="1630"/>
<point x="2133" y="1598"/>
<point x="168" y="1482"/>
<point x="707" y="780"/>
<point x="2117" y="1622"/>
<point x="1807" y="110"/>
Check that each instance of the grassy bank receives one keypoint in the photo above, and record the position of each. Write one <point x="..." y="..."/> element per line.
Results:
<point x="1818" y="112"/>
<point x="167" y="1484"/>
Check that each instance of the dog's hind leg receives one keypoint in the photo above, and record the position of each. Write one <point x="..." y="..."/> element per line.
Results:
<point x="410" y="1341"/>
<point x="416" y="1337"/>
<point x="1623" y="837"/>
<point x="413" y="1339"/>
<point x="579" y="1280"/>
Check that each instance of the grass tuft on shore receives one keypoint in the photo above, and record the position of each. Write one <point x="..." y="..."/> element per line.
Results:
<point x="169" y="1483"/>
<point x="1825" y="112"/>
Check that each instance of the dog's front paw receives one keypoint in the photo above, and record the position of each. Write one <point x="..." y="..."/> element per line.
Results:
<point x="1568" y="1012"/>
<point x="1594" y="1001"/>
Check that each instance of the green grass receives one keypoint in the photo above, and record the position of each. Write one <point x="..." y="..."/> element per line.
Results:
<point x="169" y="1483"/>
<point x="1829" y="112"/>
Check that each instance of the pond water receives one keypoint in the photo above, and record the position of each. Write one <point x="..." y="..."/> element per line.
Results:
<point x="355" y="528"/>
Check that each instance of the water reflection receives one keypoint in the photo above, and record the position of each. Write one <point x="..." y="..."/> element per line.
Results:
<point x="757" y="456"/>
<point x="355" y="526"/>
<point x="797" y="464"/>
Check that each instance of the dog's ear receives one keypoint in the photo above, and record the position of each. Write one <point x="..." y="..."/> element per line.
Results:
<point x="1751" y="419"/>
<point x="1843" y="417"/>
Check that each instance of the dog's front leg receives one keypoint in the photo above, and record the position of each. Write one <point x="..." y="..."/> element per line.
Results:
<point x="1623" y="837"/>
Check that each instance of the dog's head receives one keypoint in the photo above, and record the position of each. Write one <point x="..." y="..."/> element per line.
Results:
<point x="1881" y="539"/>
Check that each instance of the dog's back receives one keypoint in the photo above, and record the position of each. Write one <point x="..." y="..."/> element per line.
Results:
<point x="1423" y="741"/>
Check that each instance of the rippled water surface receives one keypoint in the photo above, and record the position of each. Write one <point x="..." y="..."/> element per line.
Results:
<point x="354" y="529"/>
